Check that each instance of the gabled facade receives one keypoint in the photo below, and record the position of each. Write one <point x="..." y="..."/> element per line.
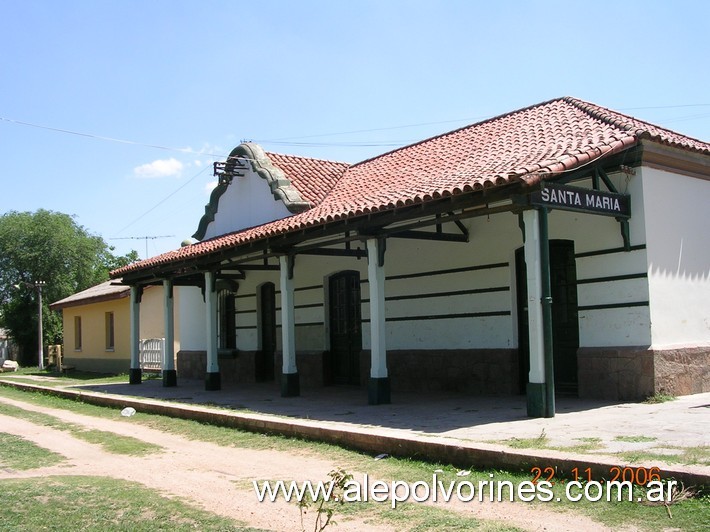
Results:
<point x="96" y="324"/>
<point x="556" y="249"/>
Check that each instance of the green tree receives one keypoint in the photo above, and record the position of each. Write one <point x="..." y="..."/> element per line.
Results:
<point x="51" y="247"/>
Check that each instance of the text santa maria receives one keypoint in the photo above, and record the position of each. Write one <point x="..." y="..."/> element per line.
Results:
<point x="582" y="199"/>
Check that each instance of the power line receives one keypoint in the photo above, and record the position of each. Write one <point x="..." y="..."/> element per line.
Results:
<point x="108" y="139"/>
<point x="166" y="198"/>
<point x="665" y="106"/>
<point x="389" y="128"/>
<point x="146" y="238"/>
<point x="283" y="140"/>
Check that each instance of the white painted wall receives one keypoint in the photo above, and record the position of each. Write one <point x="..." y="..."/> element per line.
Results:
<point x="247" y="202"/>
<point x="678" y="257"/>
<point x="627" y="326"/>
<point x="490" y="243"/>
<point x="190" y="318"/>
<point x="676" y="261"/>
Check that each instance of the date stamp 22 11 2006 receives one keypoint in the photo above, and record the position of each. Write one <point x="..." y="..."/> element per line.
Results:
<point x="636" y="475"/>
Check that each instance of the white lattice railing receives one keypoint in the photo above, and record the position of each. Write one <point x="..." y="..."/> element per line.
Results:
<point x="152" y="351"/>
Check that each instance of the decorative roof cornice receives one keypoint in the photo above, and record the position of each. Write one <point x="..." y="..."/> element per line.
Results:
<point x="281" y="187"/>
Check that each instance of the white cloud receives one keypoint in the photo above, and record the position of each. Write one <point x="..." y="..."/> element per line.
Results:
<point x="159" y="168"/>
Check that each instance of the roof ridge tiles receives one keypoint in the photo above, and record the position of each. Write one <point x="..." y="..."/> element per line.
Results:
<point x="319" y="159"/>
<point x="454" y="131"/>
<point x="603" y="114"/>
<point x="629" y="123"/>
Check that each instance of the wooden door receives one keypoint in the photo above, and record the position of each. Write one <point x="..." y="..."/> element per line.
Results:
<point x="265" y="357"/>
<point x="345" y="327"/>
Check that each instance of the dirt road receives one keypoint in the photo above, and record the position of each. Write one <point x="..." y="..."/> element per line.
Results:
<point x="219" y="479"/>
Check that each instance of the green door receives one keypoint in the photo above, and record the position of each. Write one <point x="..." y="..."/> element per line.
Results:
<point x="345" y="327"/>
<point x="265" y="357"/>
<point x="565" y="318"/>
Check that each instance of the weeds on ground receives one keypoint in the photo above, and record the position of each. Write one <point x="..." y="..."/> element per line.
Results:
<point x="635" y="439"/>
<point x="659" y="397"/>
<point x="686" y="455"/>
<point x="325" y="507"/>
<point x="539" y="442"/>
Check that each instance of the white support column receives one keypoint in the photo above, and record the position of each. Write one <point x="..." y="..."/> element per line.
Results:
<point x="379" y="384"/>
<point x="536" y="380"/>
<point x="290" y="386"/>
<point x="212" y="377"/>
<point x="169" y="373"/>
<point x="134" y="373"/>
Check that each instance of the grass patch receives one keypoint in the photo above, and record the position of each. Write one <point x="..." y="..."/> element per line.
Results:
<point x="21" y="454"/>
<point x="687" y="455"/>
<point x="686" y="514"/>
<point x="97" y="504"/>
<point x="58" y="379"/>
<point x="192" y="430"/>
<point x="586" y="445"/>
<point x="109" y="441"/>
<point x="635" y="439"/>
<point x="115" y="443"/>
<point x="538" y="442"/>
<point x="419" y="518"/>
<point x="659" y="397"/>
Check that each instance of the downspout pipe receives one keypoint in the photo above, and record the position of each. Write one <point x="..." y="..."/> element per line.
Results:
<point x="546" y="298"/>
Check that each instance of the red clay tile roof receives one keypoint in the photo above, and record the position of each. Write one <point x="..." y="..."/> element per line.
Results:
<point x="525" y="145"/>
<point x="313" y="178"/>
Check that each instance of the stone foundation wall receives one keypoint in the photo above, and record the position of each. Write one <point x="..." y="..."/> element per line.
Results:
<point x="310" y="368"/>
<point x="472" y="371"/>
<point x="191" y="364"/>
<point x="682" y="371"/>
<point x="635" y="373"/>
<point x="615" y="373"/>
<point x="241" y="367"/>
<point x="479" y="371"/>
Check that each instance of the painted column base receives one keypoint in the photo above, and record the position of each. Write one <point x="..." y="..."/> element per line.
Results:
<point x="290" y="385"/>
<point x="536" y="394"/>
<point x="213" y="382"/>
<point x="378" y="391"/>
<point x="169" y="378"/>
<point x="135" y="376"/>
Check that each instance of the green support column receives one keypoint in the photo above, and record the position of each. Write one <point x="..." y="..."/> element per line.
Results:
<point x="536" y="397"/>
<point x="546" y="300"/>
<point x="169" y="373"/>
<point x="379" y="383"/>
<point x="213" y="381"/>
<point x="290" y="382"/>
<point x="134" y="373"/>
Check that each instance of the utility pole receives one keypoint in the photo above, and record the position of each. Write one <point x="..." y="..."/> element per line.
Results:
<point x="146" y="238"/>
<point x="39" y="285"/>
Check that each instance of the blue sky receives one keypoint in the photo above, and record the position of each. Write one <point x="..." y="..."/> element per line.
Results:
<point x="184" y="82"/>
